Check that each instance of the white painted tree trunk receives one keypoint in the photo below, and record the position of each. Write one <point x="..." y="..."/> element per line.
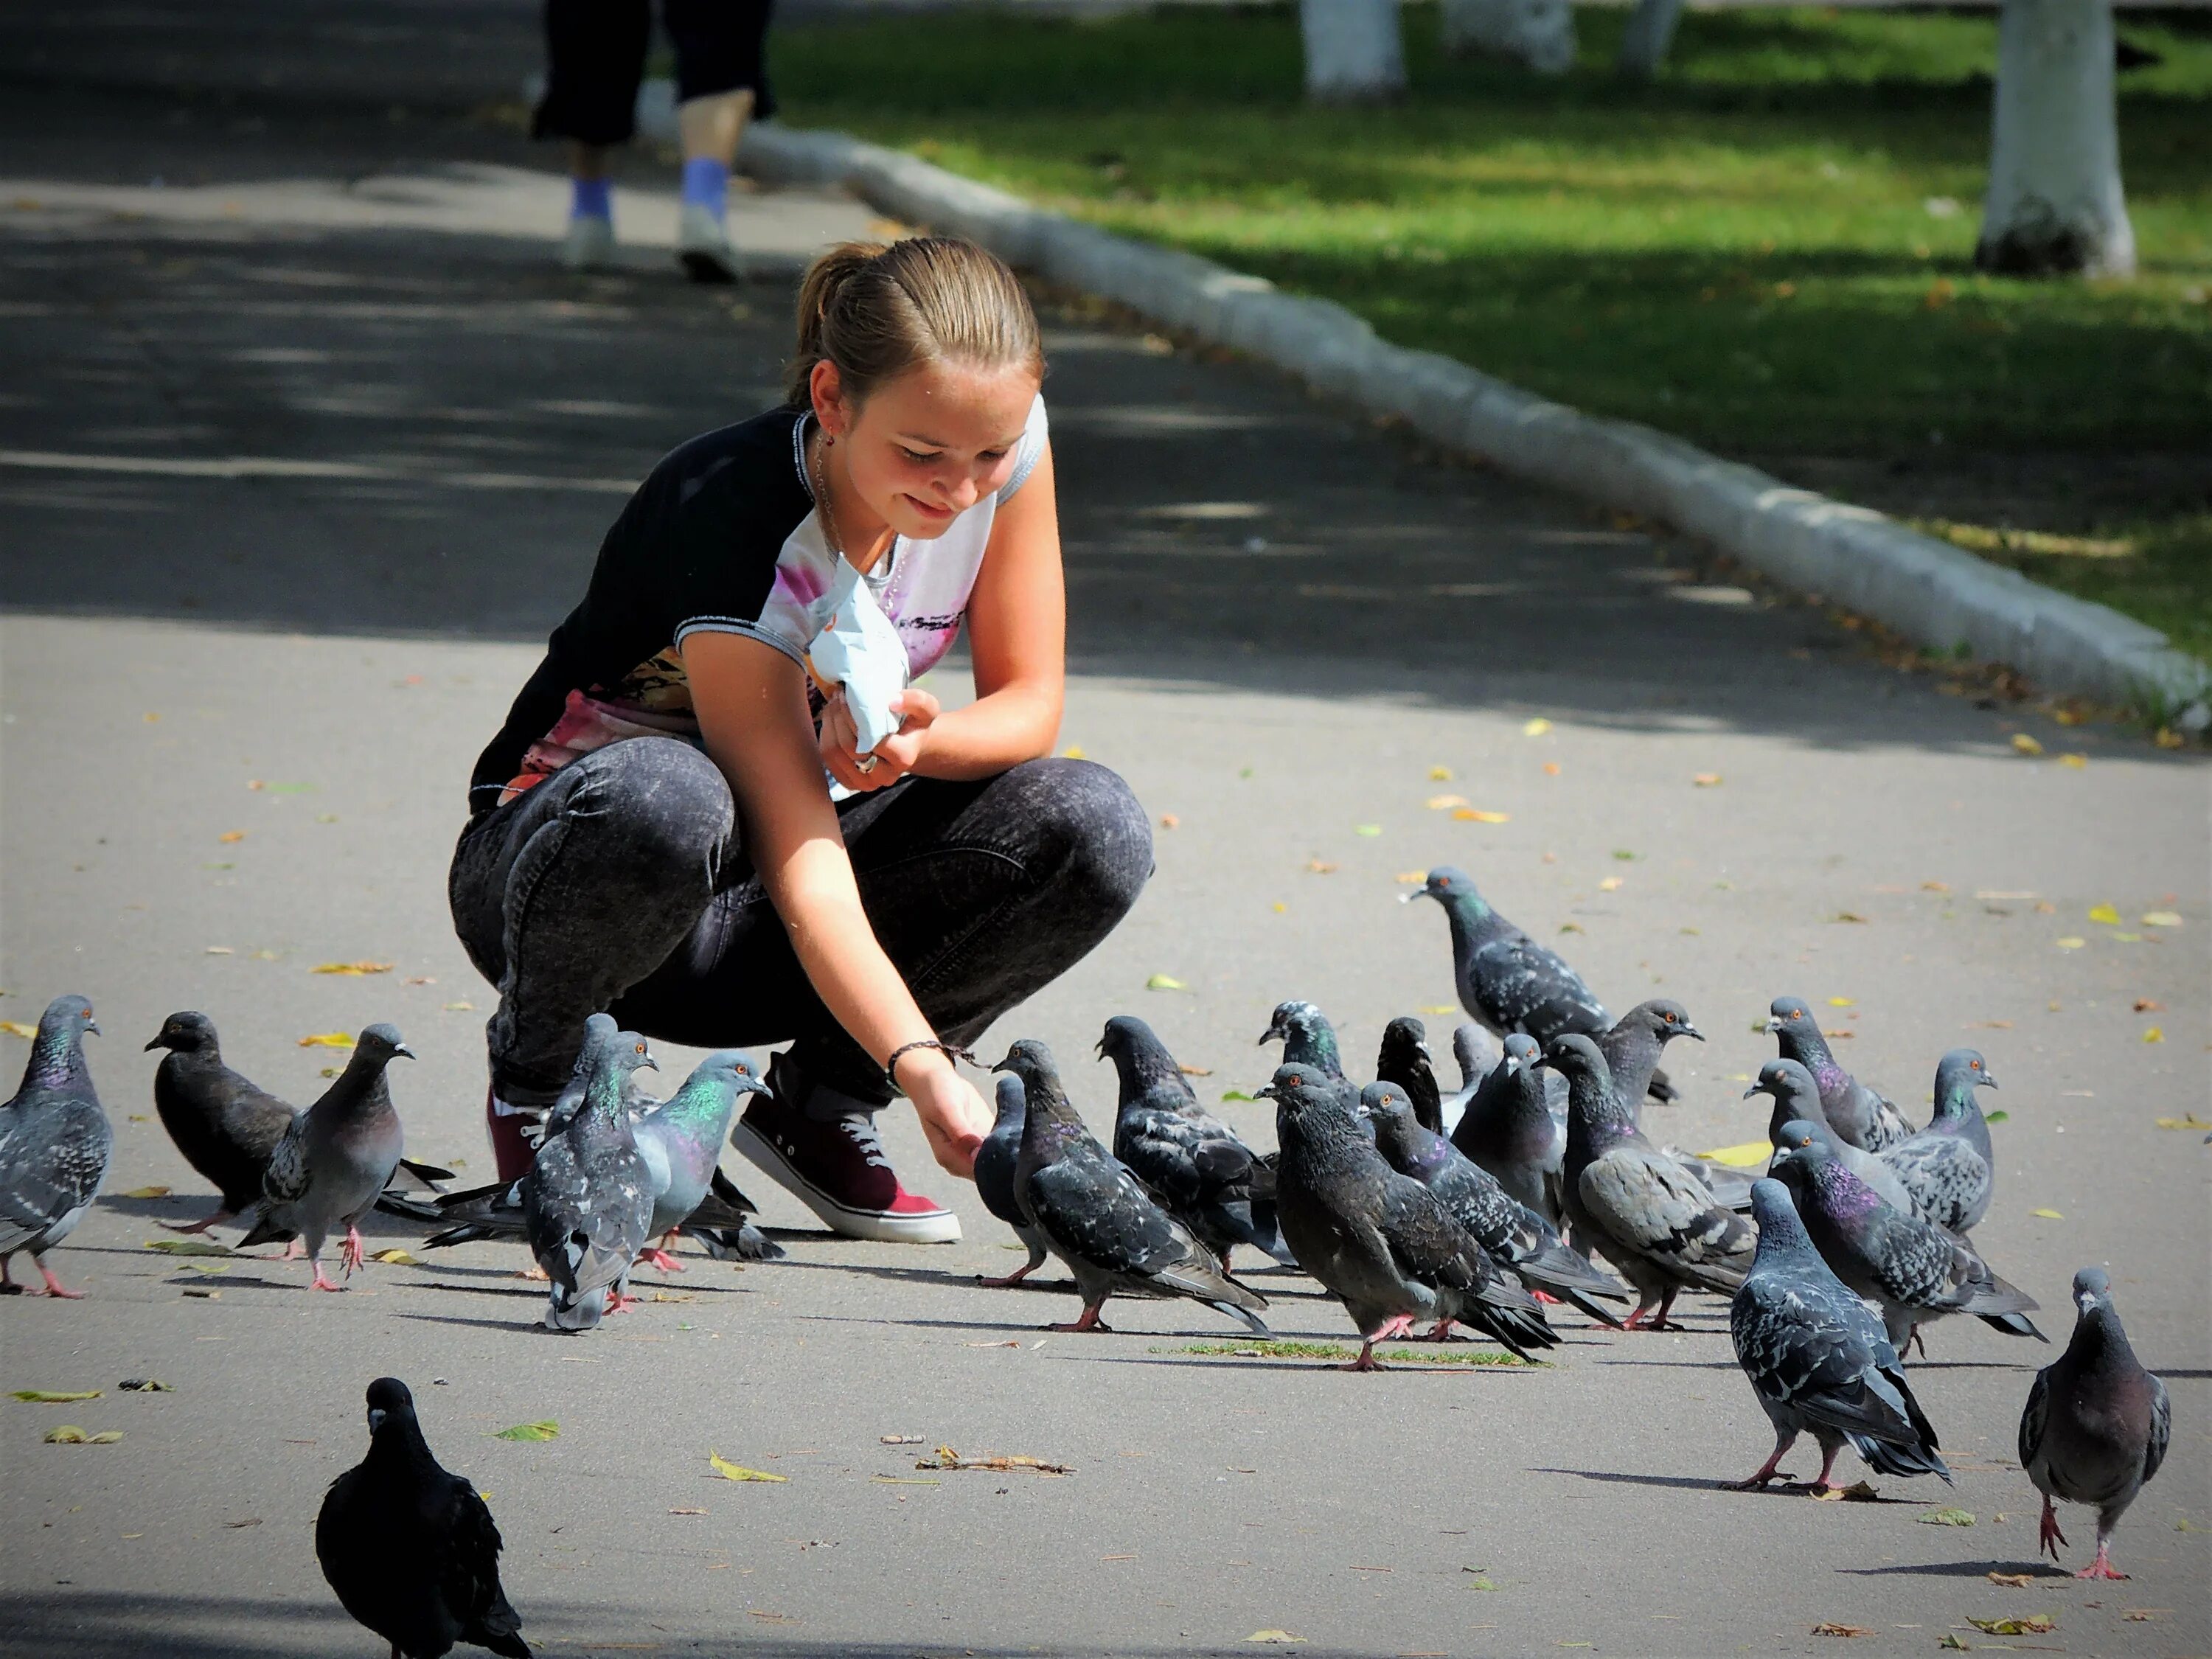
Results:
<point x="2054" y="204"/>
<point x="1650" y="32"/>
<point x="1354" y="52"/>
<point x="1538" y="33"/>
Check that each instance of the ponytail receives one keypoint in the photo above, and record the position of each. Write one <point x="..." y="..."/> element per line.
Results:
<point x="877" y="310"/>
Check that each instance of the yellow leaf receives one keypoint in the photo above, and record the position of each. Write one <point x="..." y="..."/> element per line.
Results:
<point x="395" y="1257"/>
<point x="1440" y="774"/>
<point x="1410" y="877"/>
<point x="1707" y="780"/>
<point x="1536" y="728"/>
<point x="729" y="1471"/>
<point x="52" y="1397"/>
<point x="1550" y="768"/>
<point x="17" y="1028"/>
<point x="232" y="836"/>
<point x="328" y="1040"/>
<point x="2189" y="1120"/>
<point x="2107" y="915"/>
<point x="352" y="969"/>
<point x="1611" y="884"/>
<point x="1073" y="751"/>
<point x="1320" y="866"/>
<point x="1748" y="1156"/>
<point x="462" y="1007"/>
<point x="2070" y="943"/>
<point x="2048" y="1215"/>
<point x="1444" y="803"/>
<point x="1276" y="1635"/>
<point x="69" y="1435"/>
<point x="1475" y="815"/>
<point x="2077" y="762"/>
<point x="2026" y="744"/>
<point x="148" y="1192"/>
<point x="1843" y="1002"/>
<point x="2161" y="918"/>
<point x="2167" y="738"/>
<point x="2153" y="1034"/>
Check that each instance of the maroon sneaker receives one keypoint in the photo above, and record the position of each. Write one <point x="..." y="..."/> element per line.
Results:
<point x="837" y="1169"/>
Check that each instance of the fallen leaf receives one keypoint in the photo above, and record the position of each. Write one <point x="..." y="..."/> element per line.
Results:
<point x="396" y="1257"/>
<point x="946" y="1458"/>
<point x="2048" y="1215"/>
<point x="69" y="1435"/>
<point x="238" y="1526"/>
<point x="1990" y="1025"/>
<point x="328" y="1040"/>
<point x="2144" y="1615"/>
<point x="352" y="969"/>
<point x="2161" y="918"/>
<point x="1230" y="1095"/>
<point x="2106" y="914"/>
<point x="1847" y="916"/>
<point x="52" y="1397"/>
<point x="1366" y="829"/>
<point x="1749" y="1155"/>
<point x="1946" y="1517"/>
<point x="2011" y="1580"/>
<point x="188" y="1247"/>
<point x="1410" y="877"/>
<point x="2153" y="1034"/>
<point x="148" y="1192"/>
<point x="1828" y="1627"/>
<point x="1476" y="815"/>
<point x="902" y="1440"/>
<point x="1952" y="1643"/>
<point x="1169" y="820"/>
<point x="1707" y="780"/>
<point x="2001" y="1115"/>
<point x="17" y="1028"/>
<point x="2026" y="744"/>
<point x="420" y="979"/>
<point x="1857" y="1492"/>
<point x="1935" y="886"/>
<point x="729" y="1471"/>
<point x="461" y="1008"/>
<point x="1550" y="768"/>
<point x="1611" y="884"/>
<point x="2166" y="737"/>
<point x="544" y="1428"/>
<point x="2150" y="1005"/>
<point x="232" y="836"/>
<point x="2071" y="942"/>
<point x="1843" y="1002"/>
<point x="2031" y="1624"/>
<point x="145" y="1385"/>
<point x="2190" y="1121"/>
<point x="2076" y="762"/>
<point x="1444" y="803"/>
<point x="1570" y="927"/>
<point x="1284" y="1635"/>
<point x="1536" y="728"/>
<point x="1320" y="867"/>
<point x="1440" y="1008"/>
<point x="1440" y="774"/>
<point x="1073" y="751"/>
<point x="687" y="1511"/>
<point x="1623" y="854"/>
<point x="1164" y="983"/>
<point x="1195" y="1070"/>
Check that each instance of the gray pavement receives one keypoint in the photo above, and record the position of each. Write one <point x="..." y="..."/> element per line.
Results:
<point x="301" y="452"/>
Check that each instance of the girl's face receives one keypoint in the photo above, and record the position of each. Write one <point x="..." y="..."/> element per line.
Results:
<point x="927" y="446"/>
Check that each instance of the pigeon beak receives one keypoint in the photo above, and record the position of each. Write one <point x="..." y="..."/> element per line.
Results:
<point x="154" y="1044"/>
<point x="1751" y="1091"/>
<point x="1692" y="1031"/>
<point x="752" y="1085"/>
<point x="93" y="1026"/>
<point x="402" y="1050"/>
<point x="1773" y="1025"/>
<point x="1265" y="1091"/>
<point x="1424" y="1051"/>
<point x="375" y="1418"/>
<point x="1006" y="1065"/>
<point x="1986" y="1081"/>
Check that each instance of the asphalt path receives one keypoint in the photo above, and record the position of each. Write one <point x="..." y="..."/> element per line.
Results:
<point x="301" y="450"/>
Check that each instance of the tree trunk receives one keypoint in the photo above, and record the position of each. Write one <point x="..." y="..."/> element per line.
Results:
<point x="2054" y="204"/>
<point x="1650" y="32"/>
<point x="1537" y="33"/>
<point x="1354" y="54"/>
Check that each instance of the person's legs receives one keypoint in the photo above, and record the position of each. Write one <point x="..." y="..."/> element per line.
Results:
<point x="720" y="85"/>
<point x="595" y="57"/>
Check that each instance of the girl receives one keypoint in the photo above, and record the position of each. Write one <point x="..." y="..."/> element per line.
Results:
<point x="653" y="831"/>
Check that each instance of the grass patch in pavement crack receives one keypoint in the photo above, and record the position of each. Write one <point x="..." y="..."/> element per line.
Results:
<point x="1481" y="1357"/>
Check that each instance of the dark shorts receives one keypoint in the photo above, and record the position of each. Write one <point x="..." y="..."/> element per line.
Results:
<point x="596" y="50"/>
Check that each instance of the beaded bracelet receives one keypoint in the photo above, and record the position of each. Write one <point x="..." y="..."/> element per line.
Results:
<point x="951" y="1051"/>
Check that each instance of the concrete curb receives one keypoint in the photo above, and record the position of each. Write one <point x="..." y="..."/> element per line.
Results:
<point x="1927" y="590"/>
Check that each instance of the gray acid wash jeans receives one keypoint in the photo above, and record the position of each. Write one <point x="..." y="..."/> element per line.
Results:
<point x="620" y="883"/>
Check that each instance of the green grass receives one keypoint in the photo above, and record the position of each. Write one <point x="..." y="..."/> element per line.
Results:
<point x="1767" y="252"/>
<point x="1262" y="1349"/>
<point x="2160" y="569"/>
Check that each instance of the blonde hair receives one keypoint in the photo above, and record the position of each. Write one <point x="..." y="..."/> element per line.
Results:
<point x="877" y="310"/>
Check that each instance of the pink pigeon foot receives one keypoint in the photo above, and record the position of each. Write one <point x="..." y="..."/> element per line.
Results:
<point x="2052" y="1537"/>
<point x="654" y="1256"/>
<point x="1089" y="1321"/>
<point x="619" y="1301"/>
<point x="54" y="1286"/>
<point x="350" y="1255"/>
<point x="1545" y="1295"/>
<point x="1769" y="1470"/>
<point x="2101" y="1567"/>
<point x="322" y="1281"/>
<point x="1367" y="1362"/>
<point x="1013" y="1277"/>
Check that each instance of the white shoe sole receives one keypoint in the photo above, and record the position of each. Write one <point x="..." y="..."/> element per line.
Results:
<point x="936" y="1227"/>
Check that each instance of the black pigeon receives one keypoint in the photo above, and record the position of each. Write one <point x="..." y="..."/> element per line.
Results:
<point x="588" y="1198"/>
<point x="1379" y="1241"/>
<point x="411" y="1547"/>
<point x="1096" y="1216"/>
<point x="1306" y="1037"/>
<point x="994" y="1178"/>
<point x="1857" y="1114"/>
<point x="1651" y="1218"/>
<point x="335" y="1159"/>
<point x="1631" y="1047"/>
<point x="55" y="1140"/>
<point x="2097" y="1423"/>
<point x="1516" y="1236"/>
<point x="1476" y="1053"/>
<point x="1911" y="1269"/>
<point x="1508" y="1129"/>
<point x="1190" y="1161"/>
<point x="1950" y="1167"/>
<point x="1404" y="1059"/>
<point x="1797" y="1100"/>
<point x="1818" y="1359"/>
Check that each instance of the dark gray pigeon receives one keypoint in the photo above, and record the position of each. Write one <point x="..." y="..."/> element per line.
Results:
<point x="55" y="1140"/>
<point x="1516" y="1236"/>
<point x="1948" y="1167"/>
<point x="1818" y="1359"/>
<point x="588" y="1198"/>
<point x="410" y="1547"/>
<point x="1096" y="1216"/>
<point x="1632" y="1045"/>
<point x="1911" y="1269"/>
<point x="1797" y="1100"/>
<point x="1306" y="1037"/>
<point x="1476" y="1053"/>
<point x="1191" y="1162"/>
<point x="994" y="1178"/>
<point x="1648" y="1215"/>
<point x="335" y="1160"/>
<point x="1379" y="1241"/>
<point x="2097" y="1423"/>
<point x="1508" y="1129"/>
<point x="1404" y="1059"/>
<point x="1857" y="1114"/>
<point x="1505" y="979"/>
<point x="681" y="1141"/>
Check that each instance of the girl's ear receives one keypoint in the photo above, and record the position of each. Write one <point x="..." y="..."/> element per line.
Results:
<point x="827" y="388"/>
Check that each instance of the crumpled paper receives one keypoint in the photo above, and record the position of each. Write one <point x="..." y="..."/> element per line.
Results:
<point x="860" y="651"/>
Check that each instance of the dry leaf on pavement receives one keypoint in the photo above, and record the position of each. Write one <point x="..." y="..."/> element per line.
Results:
<point x="69" y="1435"/>
<point x="396" y="1257"/>
<point x="352" y="969"/>
<point x="52" y="1397"/>
<point x="1164" y="983"/>
<point x="946" y="1458"/>
<point x="729" y="1471"/>
<point x="327" y="1039"/>
<point x="17" y="1028"/>
<point x="1829" y="1627"/>
<point x="544" y="1428"/>
<point x="2011" y="1580"/>
<point x="2033" y="1624"/>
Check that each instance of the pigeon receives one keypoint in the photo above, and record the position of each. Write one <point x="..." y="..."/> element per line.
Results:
<point x="1190" y="1161"/>
<point x="1797" y="1100"/>
<point x="1380" y="1243"/>
<point x="587" y="1199"/>
<point x="1476" y="1054"/>
<point x="726" y="1240"/>
<point x="1516" y="1236"/>
<point x="1857" y="1114"/>
<point x="1817" y="1359"/>
<point x="1404" y="1059"/>
<point x="994" y="1178"/>
<point x="1096" y="1216"/>
<point x="1508" y="1129"/>
<point x="1648" y="1215"/>
<point x="55" y="1140"/>
<point x="1912" y="1270"/>
<point x="411" y="1547"/>
<point x="1632" y="1045"/>
<point x="1948" y="1167"/>
<point x="2096" y="1425"/>
<point x="1306" y="1037"/>
<point x="681" y="1140"/>
<point x="334" y="1160"/>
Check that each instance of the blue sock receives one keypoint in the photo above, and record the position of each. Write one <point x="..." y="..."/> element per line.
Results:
<point x="591" y="198"/>
<point x="706" y="183"/>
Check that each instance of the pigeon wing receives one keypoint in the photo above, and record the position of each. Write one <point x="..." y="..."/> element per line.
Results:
<point x="1655" y="1209"/>
<point x="2161" y="1425"/>
<point x="469" y="1583"/>
<point x="50" y="1166"/>
<point x="1097" y="1211"/>
<point x="1425" y="1241"/>
<point x="1525" y="988"/>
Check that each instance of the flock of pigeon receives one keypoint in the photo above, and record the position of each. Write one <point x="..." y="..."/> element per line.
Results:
<point x="1409" y="1206"/>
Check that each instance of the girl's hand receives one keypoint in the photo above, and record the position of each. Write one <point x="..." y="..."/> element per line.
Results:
<point x="894" y="757"/>
<point x="954" y="1119"/>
